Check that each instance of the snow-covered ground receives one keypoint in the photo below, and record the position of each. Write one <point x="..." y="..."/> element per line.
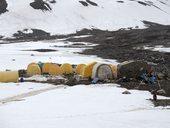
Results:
<point x="69" y="16"/>
<point x="16" y="56"/>
<point x="83" y="106"/>
<point x="13" y="89"/>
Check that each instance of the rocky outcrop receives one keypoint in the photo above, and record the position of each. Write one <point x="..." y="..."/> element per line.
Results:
<point x="91" y="2"/>
<point x="35" y="35"/>
<point x="88" y="2"/>
<point x="3" y="6"/>
<point x="40" y="4"/>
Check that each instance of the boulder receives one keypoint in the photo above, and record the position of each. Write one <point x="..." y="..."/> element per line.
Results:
<point x="126" y="92"/>
<point x="132" y="69"/>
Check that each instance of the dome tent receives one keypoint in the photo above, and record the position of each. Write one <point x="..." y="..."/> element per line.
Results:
<point x="87" y="70"/>
<point x="54" y="69"/>
<point x="66" y="68"/>
<point x="79" y="68"/>
<point x="9" y="76"/>
<point x="33" y="69"/>
<point x="114" y="70"/>
<point x="102" y="71"/>
<point x="46" y="68"/>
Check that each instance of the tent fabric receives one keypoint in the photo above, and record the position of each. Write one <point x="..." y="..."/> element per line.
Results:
<point x="9" y="76"/>
<point x="87" y="70"/>
<point x="32" y="63"/>
<point x="33" y="69"/>
<point x="102" y="71"/>
<point x="46" y="68"/>
<point x="66" y="68"/>
<point x="54" y="69"/>
<point x="40" y="64"/>
<point x="114" y="70"/>
<point x="79" y="69"/>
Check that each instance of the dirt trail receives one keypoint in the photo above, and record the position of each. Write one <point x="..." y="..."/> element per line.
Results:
<point x="27" y="94"/>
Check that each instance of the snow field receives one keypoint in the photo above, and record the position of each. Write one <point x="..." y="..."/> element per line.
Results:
<point x="85" y="106"/>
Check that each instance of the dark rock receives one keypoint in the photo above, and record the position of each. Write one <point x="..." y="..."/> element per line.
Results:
<point x="3" y="6"/>
<point x="52" y="1"/>
<point x="22" y="73"/>
<point x="126" y="92"/>
<point x="136" y="26"/>
<point x="42" y="50"/>
<point x="56" y="81"/>
<point x="40" y="4"/>
<point x="132" y="69"/>
<point x="120" y="1"/>
<point x="83" y="3"/>
<point x="143" y="3"/>
<point x="71" y="81"/>
<point x="91" y="2"/>
<point x="1" y="37"/>
<point x="36" y="35"/>
<point x="161" y="102"/>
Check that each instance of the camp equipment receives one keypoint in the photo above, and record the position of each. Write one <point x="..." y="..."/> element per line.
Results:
<point x="102" y="71"/>
<point x="9" y="76"/>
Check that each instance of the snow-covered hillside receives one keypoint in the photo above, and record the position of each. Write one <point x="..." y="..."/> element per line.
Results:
<point x="67" y="16"/>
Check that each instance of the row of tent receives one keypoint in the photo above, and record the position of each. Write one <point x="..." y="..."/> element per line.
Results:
<point x="91" y="70"/>
<point x="128" y="69"/>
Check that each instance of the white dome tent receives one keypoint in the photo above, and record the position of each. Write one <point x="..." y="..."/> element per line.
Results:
<point x="102" y="71"/>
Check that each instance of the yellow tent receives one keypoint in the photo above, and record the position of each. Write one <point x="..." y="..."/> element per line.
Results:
<point x="32" y="63"/>
<point x="114" y="70"/>
<point x="87" y="70"/>
<point x="46" y="68"/>
<point x="79" y="68"/>
<point x="33" y="69"/>
<point x="66" y="68"/>
<point x="54" y="69"/>
<point x="9" y="76"/>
